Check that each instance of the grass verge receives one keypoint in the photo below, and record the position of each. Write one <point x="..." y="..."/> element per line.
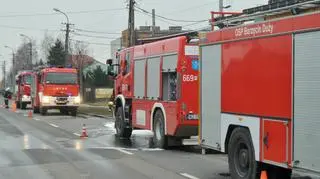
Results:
<point x="103" y="111"/>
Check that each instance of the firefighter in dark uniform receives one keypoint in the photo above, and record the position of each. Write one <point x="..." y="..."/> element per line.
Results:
<point x="7" y="96"/>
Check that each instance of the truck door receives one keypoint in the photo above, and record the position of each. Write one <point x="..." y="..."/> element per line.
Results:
<point x="306" y="97"/>
<point x="210" y="96"/>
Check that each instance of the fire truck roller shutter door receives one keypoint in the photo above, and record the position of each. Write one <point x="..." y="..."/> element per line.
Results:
<point x="153" y="78"/>
<point x="139" y="76"/>
<point x="306" y="100"/>
<point x="169" y="67"/>
<point x="210" y="92"/>
<point x="170" y="62"/>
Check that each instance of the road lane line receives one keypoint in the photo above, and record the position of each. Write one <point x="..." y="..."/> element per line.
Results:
<point x="188" y="176"/>
<point x="53" y="125"/>
<point x="77" y="134"/>
<point x="123" y="151"/>
<point x="36" y="119"/>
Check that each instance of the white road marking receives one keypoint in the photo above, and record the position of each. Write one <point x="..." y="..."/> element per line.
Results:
<point x="53" y="125"/>
<point x="120" y="149"/>
<point x="36" y="119"/>
<point x="76" y="134"/>
<point x="188" y="176"/>
<point x="123" y="151"/>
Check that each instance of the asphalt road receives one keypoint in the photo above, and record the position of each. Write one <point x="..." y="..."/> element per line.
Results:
<point x="50" y="147"/>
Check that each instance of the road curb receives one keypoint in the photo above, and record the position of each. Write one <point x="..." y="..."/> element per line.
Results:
<point x="97" y="115"/>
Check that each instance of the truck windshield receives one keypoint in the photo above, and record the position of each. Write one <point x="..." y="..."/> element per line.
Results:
<point x="61" y="78"/>
<point x="27" y="79"/>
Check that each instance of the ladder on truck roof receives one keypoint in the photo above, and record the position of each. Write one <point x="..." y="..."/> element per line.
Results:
<point x="295" y="7"/>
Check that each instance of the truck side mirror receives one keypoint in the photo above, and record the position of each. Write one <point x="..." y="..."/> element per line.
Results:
<point x="109" y="62"/>
<point x="110" y="71"/>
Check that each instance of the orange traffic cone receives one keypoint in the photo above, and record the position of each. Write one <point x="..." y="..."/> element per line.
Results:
<point x="14" y="107"/>
<point x="30" y="114"/>
<point x="263" y="175"/>
<point x="84" y="132"/>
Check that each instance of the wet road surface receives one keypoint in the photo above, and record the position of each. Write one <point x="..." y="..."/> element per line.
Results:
<point x="50" y="147"/>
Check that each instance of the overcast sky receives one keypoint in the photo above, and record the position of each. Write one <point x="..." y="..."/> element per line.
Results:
<point x="33" y="17"/>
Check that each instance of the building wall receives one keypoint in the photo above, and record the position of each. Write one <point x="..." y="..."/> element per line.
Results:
<point x="115" y="45"/>
<point x="146" y="32"/>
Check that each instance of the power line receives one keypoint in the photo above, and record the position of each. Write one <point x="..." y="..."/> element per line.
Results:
<point x="191" y="8"/>
<point x="169" y="19"/>
<point x="26" y="28"/>
<point x="170" y="23"/>
<point x="93" y="43"/>
<point x="96" y="32"/>
<point x="93" y="36"/>
<point x="144" y="13"/>
<point x="69" y="12"/>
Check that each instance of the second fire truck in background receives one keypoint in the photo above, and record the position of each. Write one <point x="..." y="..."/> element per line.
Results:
<point x="23" y="88"/>
<point x="55" y="88"/>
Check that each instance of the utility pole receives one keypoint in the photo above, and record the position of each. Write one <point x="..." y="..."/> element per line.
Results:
<point x="30" y="63"/>
<point x="221" y="6"/>
<point x="131" y="31"/>
<point x="13" y="66"/>
<point x="153" y="21"/>
<point x="4" y="73"/>
<point x="66" y="45"/>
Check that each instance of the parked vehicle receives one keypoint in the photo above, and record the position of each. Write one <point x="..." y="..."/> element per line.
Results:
<point x="259" y="94"/>
<point x="156" y="88"/>
<point x="55" y="88"/>
<point x="23" y="82"/>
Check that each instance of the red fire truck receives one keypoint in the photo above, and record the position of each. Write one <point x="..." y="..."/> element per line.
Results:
<point x="260" y="93"/>
<point x="55" y="88"/>
<point x="23" y="82"/>
<point x="156" y="88"/>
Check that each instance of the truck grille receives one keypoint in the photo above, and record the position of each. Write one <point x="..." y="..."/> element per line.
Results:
<point x="62" y="100"/>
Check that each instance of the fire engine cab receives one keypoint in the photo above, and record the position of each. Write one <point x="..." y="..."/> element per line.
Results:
<point x="55" y="88"/>
<point x="260" y="92"/>
<point x="23" y="82"/>
<point x="156" y="89"/>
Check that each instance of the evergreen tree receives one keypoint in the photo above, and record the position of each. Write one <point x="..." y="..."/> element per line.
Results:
<point x="56" y="54"/>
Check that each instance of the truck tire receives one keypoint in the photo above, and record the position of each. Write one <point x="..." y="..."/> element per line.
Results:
<point x="123" y="129"/>
<point x="23" y="105"/>
<point x="64" y="111"/>
<point x="36" y="110"/>
<point x="18" y="104"/>
<point x="160" y="140"/>
<point x="241" y="156"/>
<point x="74" y="112"/>
<point x="43" y="111"/>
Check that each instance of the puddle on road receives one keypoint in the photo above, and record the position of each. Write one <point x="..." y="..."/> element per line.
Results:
<point x="140" y="140"/>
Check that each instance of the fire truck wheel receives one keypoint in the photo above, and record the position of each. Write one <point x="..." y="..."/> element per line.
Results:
<point x="18" y="104"/>
<point x="36" y="110"/>
<point x="74" y="112"/>
<point x="123" y="129"/>
<point x="43" y="111"/>
<point x="23" y="105"/>
<point x="64" y="111"/>
<point x="159" y="138"/>
<point x="241" y="157"/>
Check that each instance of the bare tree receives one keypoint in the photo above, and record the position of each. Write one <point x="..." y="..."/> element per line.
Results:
<point x="46" y="44"/>
<point x="80" y="50"/>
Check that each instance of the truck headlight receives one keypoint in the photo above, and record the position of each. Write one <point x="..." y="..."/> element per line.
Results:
<point x="77" y="99"/>
<point x="45" y="99"/>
